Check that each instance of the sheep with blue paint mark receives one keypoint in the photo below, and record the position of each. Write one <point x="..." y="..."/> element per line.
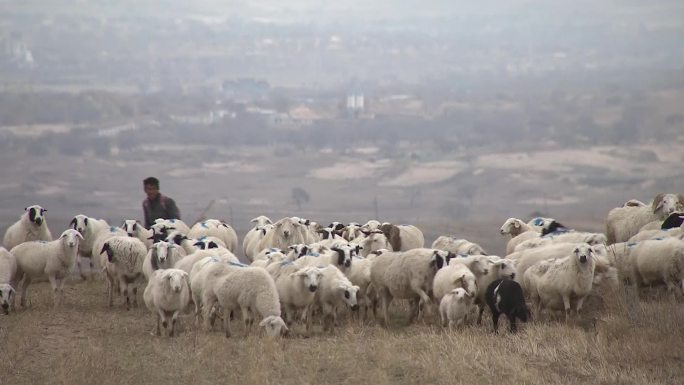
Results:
<point x="215" y="228"/>
<point x="186" y="263"/>
<point x="31" y="226"/>
<point x="203" y="275"/>
<point x="519" y="232"/>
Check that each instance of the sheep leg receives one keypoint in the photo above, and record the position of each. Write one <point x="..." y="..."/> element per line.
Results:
<point x="511" y="322"/>
<point x="135" y="296"/>
<point x="24" y="290"/>
<point x="55" y="290"/>
<point x="451" y="325"/>
<point x="424" y="298"/>
<point x="495" y="320"/>
<point x="566" y="305"/>
<point x="479" y="316"/>
<point x="578" y="307"/>
<point x="110" y="289"/>
<point x="386" y="301"/>
<point x="157" y="331"/>
<point x="226" y="326"/>
<point x="174" y="320"/>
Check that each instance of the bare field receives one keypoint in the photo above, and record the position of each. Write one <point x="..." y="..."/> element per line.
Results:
<point x="85" y="342"/>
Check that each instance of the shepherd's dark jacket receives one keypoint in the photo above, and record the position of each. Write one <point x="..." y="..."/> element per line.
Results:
<point x="161" y="207"/>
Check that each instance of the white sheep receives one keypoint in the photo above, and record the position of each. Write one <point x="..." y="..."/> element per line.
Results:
<point x="454" y="307"/>
<point x="296" y="290"/>
<point x="271" y="257"/>
<point x="286" y="232"/>
<point x="552" y="284"/>
<point x="529" y="257"/>
<point x="405" y="275"/>
<point x="52" y="260"/>
<point x="167" y="294"/>
<point x="91" y="229"/>
<point x="248" y="289"/>
<point x="565" y="237"/>
<point x="162" y="255"/>
<point x="453" y="276"/>
<point x="519" y="231"/>
<point x="135" y="229"/>
<point x="360" y="276"/>
<point x="659" y="261"/>
<point x="371" y="241"/>
<point x="123" y="265"/>
<point x="173" y="224"/>
<point x="187" y="262"/>
<point x="334" y="291"/>
<point x="352" y="231"/>
<point x="202" y="277"/>
<point x="102" y="236"/>
<point x="457" y="246"/>
<point x="403" y="237"/>
<point x="31" y="226"/>
<point x="8" y="271"/>
<point x="251" y="240"/>
<point x="215" y="228"/>
<point x="624" y="222"/>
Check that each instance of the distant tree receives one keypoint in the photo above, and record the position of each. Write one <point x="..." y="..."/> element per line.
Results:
<point x="300" y="196"/>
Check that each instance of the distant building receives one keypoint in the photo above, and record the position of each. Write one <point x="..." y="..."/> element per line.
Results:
<point x="356" y="103"/>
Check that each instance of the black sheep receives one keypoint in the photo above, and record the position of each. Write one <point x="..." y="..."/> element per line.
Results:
<point x="506" y="296"/>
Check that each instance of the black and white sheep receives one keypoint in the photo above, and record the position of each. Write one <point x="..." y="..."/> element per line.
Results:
<point x="505" y="296"/>
<point x="123" y="265"/>
<point x="215" y="228"/>
<point x="31" y="226"/>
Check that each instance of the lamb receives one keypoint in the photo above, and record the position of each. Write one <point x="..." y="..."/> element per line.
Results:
<point x="162" y="255"/>
<point x="8" y="271"/>
<point x="403" y="237"/>
<point x="249" y="289"/>
<point x="454" y="307"/>
<point x="91" y="229"/>
<point x="167" y="294"/>
<point x="186" y="263"/>
<point x="405" y="275"/>
<point x="31" y="226"/>
<point x="135" y="229"/>
<point x="41" y="259"/>
<point x="553" y="283"/>
<point x="498" y="269"/>
<point x="505" y="296"/>
<point x="624" y="222"/>
<point x="454" y="275"/>
<point x="659" y="261"/>
<point x="457" y="246"/>
<point x="335" y="290"/>
<point x="285" y="233"/>
<point x="296" y="290"/>
<point x="519" y="231"/>
<point x="124" y="260"/>
<point x="218" y="229"/>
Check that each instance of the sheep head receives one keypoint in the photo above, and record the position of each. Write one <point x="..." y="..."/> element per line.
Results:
<point x="79" y="223"/>
<point x="274" y="325"/>
<point x="6" y="294"/>
<point x="36" y="214"/>
<point x="71" y="238"/>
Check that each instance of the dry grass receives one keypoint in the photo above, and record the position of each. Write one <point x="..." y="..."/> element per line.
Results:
<point x="88" y="343"/>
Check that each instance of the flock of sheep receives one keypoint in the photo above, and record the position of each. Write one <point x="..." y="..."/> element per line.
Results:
<point x="301" y="273"/>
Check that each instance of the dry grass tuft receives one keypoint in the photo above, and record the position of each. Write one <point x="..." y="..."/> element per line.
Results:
<point x="86" y="342"/>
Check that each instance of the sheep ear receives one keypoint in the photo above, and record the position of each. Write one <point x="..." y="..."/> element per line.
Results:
<point x="658" y="202"/>
<point x="79" y="235"/>
<point x="73" y="223"/>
